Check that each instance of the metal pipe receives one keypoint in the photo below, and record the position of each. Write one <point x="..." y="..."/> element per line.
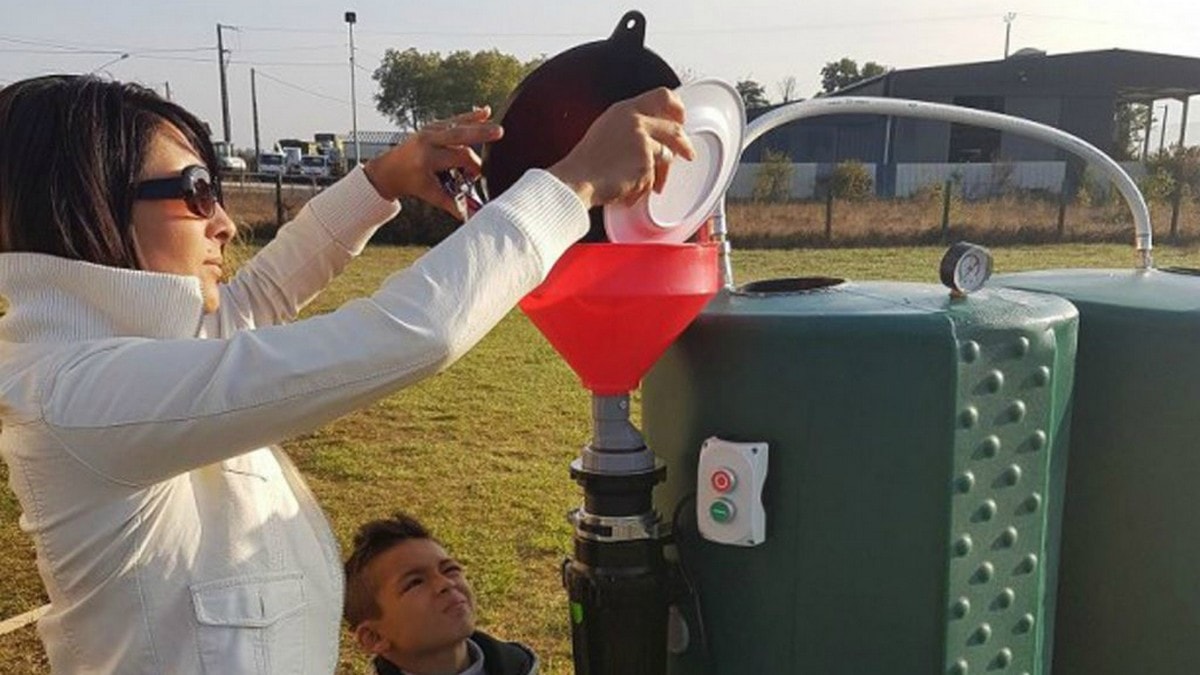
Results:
<point x="948" y="113"/>
<point x="720" y="235"/>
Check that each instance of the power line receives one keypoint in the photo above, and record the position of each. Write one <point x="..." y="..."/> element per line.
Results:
<point x="292" y="49"/>
<point x="305" y="90"/>
<point x="275" y="29"/>
<point x="61" y="52"/>
<point x="313" y="64"/>
<point x="97" y="49"/>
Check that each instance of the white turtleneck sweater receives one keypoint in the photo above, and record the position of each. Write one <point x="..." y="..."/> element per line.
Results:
<point x="171" y="537"/>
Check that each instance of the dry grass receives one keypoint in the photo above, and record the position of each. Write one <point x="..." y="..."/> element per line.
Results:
<point x="253" y="205"/>
<point x="874" y="222"/>
<point x="881" y="222"/>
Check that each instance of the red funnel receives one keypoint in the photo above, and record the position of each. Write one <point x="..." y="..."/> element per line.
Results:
<point x="612" y="309"/>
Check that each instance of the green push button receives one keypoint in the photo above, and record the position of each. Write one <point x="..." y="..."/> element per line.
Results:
<point x="721" y="510"/>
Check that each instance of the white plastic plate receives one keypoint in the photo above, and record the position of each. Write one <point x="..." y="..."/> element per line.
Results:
<point x="715" y="122"/>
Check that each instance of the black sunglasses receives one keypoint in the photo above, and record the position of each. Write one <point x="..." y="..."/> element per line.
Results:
<point x="194" y="185"/>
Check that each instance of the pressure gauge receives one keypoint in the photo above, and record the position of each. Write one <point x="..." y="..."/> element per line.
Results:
<point x="966" y="267"/>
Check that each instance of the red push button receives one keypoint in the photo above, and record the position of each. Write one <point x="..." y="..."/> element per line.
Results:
<point x="723" y="480"/>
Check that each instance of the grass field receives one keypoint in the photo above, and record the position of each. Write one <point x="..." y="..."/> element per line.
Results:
<point x="481" y="451"/>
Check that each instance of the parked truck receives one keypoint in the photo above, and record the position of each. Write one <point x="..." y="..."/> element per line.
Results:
<point x="271" y="164"/>
<point x="227" y="160"/>
<point x="314" y="166"/>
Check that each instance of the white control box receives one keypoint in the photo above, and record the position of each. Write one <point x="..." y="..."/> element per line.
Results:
<point x="729" y="486"/>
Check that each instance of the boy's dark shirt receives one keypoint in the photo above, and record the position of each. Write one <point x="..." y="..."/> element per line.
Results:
<point x="499" y="658"/>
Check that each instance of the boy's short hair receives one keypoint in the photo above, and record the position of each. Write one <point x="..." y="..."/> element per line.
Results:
<point x="372" y="540"/>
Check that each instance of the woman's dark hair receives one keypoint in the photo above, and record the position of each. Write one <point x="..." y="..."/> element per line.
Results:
<point x="71" y="150"/>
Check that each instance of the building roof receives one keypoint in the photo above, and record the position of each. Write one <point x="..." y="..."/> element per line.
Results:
<point x="1132" y="76"/>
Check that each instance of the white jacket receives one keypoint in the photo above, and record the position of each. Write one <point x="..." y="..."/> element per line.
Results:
<point x="169" y="536"/>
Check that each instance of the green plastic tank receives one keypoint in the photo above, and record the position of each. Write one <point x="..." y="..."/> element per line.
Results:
<point x="1128" y="595"/>
<point x="913" y="477"/>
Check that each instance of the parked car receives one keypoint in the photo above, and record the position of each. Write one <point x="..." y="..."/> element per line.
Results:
<point x="271" y="164"/>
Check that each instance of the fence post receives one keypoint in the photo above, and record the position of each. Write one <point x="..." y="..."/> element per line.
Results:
<point x="1062" y="215"/>
<point x="829" y="213"/>
<point x="946" y="187"/>
<point x="278" y="201"/>
<point x="1176" y="197"/>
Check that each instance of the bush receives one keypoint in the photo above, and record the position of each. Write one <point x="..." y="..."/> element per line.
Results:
<point x="1095" y="189"/>
<point x="417" y="224"/>
<point x="851" y="181"/>
<point x="1176" y="169"/>
<point x="773" y="182"/>
<point x="1158" y="185"/>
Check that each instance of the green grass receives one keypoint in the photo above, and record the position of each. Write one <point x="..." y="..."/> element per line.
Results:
<point x="480" y="452"/>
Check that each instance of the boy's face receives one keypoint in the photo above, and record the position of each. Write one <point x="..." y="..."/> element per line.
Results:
<point x="425" y="603"/>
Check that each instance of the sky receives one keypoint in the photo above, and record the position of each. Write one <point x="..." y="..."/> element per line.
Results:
<point x="300" y="48"/>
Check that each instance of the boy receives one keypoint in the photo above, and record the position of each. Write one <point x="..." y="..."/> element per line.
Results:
<point x="408" y="603"/>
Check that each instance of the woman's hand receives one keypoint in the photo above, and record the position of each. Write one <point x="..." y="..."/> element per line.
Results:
<point x="410" y="169"/>
<point x="627" y="151"/>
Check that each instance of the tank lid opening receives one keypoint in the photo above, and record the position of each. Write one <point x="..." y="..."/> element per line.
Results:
<point x="789" y="286"/>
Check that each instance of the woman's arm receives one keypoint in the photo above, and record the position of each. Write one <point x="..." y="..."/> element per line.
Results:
<point x="138" y="411"/>
<point x="305" y="255"/>
<point x="334" y="226"/>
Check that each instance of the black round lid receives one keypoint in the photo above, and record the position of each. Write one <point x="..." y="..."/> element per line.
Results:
<point x="553" y="107"/>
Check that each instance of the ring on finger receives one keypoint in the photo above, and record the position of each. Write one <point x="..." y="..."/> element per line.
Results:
<point x="664" y="154"/>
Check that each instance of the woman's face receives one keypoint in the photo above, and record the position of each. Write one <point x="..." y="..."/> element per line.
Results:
<point x="168" y="236"/>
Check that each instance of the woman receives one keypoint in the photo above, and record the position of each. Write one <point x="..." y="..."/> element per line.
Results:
<point x="140" y="396"/>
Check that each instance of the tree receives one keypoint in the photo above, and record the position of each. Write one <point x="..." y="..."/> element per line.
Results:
<point x="753" y="94"/>
<point x="840" y="74"/>
<point x="787" y="89"/>
<point x="871" y="69"/>
<point x="416" y="88"/>
<point x="1128" y="126"/>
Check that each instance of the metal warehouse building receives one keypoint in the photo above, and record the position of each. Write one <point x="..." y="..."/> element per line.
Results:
<point x="1076" y="92"/>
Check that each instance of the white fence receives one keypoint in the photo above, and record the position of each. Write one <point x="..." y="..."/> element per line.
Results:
<point x="804" y="180"/>
<point x="981" y="180"/>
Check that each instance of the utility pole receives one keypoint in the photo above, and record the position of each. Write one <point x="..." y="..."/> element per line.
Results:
<point x="1162" y="135"/>
<point x="351" y="19"/>
<point x="254" y="109"/>
<point x="1008" y="19"/>
<point x="167" y="89"/>
<point x="221" y="52"/>
<point x="1147" y="130"/>
<point x="1183" y="122"/>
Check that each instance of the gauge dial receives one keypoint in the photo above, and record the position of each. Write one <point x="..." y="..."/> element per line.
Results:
<point x="966" y="267"/>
